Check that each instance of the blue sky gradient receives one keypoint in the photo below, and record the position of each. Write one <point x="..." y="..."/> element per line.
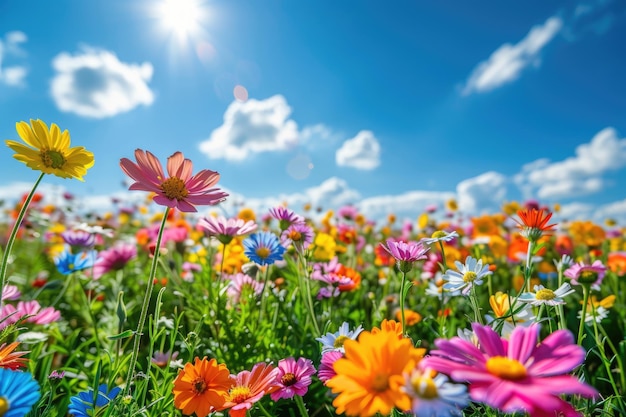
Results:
<point x="391" y="106"/>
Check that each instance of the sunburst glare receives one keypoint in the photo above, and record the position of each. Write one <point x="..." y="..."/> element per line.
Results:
<point x="182" y="19"/>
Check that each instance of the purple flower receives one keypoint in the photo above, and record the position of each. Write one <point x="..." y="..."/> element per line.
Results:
<point x="300" y="235"/>
<point x="113" y="259"/>
<point x="406" y="253"/>
<point x="285" y="217"/>
<point x="326" y="370"/>
<point x="79" y="238"/>
<point x="293" y="378"/>
<point x="581" y="273"/>
<point x="240" y="284"/>
<point x="224" y="229"/>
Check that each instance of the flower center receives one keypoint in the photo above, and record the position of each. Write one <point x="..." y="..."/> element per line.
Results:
<point x="288" y="379"/>
<point x="380" y="382"/>
<point x="469" y="276"/>
<point x="295" y="235"/>
<point x="506" y="368"/>
<point x="587" y="277"/>
<point x="339" y="341"/>
<point x="239" y="394"/>
<point x="545" y="294"/>
<point x="263" y="252"/>
<point x="174" y="188"/>
<point x="425" y="387"/>
<point x="52" y="159"/>
<point x="4" y="406"/>
<point x="438" y="234"/>
<point x="199" y="386"/>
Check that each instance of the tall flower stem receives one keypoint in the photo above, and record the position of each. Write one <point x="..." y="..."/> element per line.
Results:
<point x="144" y="306"/>
<point x="444" y="265"/>
<point x="307" y="293"/>
<point x="583" y="314"/>
<point x="301" y="407"/>
<point x="402" y="284"/>
<point x="16" y="228"/>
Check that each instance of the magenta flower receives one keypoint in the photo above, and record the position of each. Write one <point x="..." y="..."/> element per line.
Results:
<point x="293" y="378"/>
<point x="79" y="238"/>
<point x="224" y="229"/>
<point x="300" y="235"/>
<point x="285" y="217"/>
<point x="243" y="284"/>
<point x="31" y="311"/>
<point x="406" y="253"/>
<point x="113" y="259"/>
<point x="179" y="189"/>
<point x="581" y="273"/>
<point x="326" y="370"/>
<point x="515" y="375"/>
<point x="10" y="292"/>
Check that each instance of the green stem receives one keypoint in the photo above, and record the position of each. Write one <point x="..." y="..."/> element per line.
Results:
<point x="307" y="287"/>
<point x="144" y="306"/>
<point x="402" y="302"/>
<point x="583" y="314"/>
<point x="442" y="317"/>
<point x="264" y="294"/>
<point x="16" y="228"/>
<point x="301" y="407"/>
<point x="620" y="364"/>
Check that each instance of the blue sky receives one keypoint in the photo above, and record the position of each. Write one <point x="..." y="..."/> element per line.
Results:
<point x="388" y="105"/>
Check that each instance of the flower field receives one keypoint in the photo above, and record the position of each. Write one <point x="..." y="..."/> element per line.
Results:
<point x="159" y="310"/>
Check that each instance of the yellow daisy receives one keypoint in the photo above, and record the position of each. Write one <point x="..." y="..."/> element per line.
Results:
<point x="49" y="150"/>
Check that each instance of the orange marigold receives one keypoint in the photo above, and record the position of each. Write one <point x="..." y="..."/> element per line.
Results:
<point x="202" y="387"/>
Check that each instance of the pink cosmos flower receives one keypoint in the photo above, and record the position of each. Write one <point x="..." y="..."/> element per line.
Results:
<point x="581" y="273"/>
<point x="249" y="387"/>
<point x="406" y="253"/>
<point x="113" y="259"/>
<point x="293" y="378"/>
<point x="515" y="375"/>
<point x="11" y="314"/>
<point x="285" y="217"/>
<point x="298" y="234"/>
<point x="240" y="283"/>
<point x="326" y="370"/>
<point x="179" y="189"/>
<point x="224" y="229"/>
<point x="10" y="292"/>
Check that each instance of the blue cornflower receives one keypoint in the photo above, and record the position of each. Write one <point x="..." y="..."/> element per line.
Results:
<point x="68" y="262"/>
<point x="263" y="248"/>
<point x="18" y="392"/>
<point x="82" y="405"/>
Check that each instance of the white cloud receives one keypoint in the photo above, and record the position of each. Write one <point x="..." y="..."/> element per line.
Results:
<point x="484" y="193"/>
<point x="361" y="152"/>
<point x="13" y="75"/>
<point x="408" y="205"/>
<point x="578" y="175"/>
<point x="95" y="83"/>
<point x="250" y="127"/>
<point x="507" y="62"/>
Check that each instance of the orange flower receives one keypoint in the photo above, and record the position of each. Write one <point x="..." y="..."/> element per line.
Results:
<point x="354" y="276"/>
<point x="617" y="262"/>
<point x="587" y="233"/>
<point x="389" y="326"/>
<point x="369" y="378"/>
<point x="411" y="317"/>
<point x="485" y="226"/>
<point x="249" y="387"/>
<point x="202" y="388"/>
<point x="534" y="223"/>
<point x="12" y="360"/>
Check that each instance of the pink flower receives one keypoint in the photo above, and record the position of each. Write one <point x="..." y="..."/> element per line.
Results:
<point x="326" y="370"/>
<point x="406" y="253"/>
<point x="293" y="378"/>
<point x="10" y="292"/>
<point x="242" y="283"/>
<point x="225" y="230"/>
<point x="285" y="217"/>
<point x="113" y="259"/>
<point x="32" y="309"/>
<point x="180" y="189"/>
<point x="249" y="387"/>
<point x="586" y="274"/>
<point x="514" y="375"/>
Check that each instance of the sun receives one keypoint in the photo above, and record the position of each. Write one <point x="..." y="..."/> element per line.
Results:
<point x="181" y="18"/>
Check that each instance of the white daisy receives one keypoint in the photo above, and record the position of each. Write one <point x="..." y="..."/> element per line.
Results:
<point x="469" y="274"/>
<point x="435" y="397"/>
<point x="545" y="296"/>
<point x="440" y="236"/>
<point x="601" y="314"/>
<point x="335" y="341"/>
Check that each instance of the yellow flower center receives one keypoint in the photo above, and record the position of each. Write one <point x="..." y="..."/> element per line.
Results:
<point x="4" y="406"/>
<point x="469" y="276"/>
<point x="425" y="387"/>
<point x="438" y="234"/>
<point x="506" y="368"/>
<point x="295" y="235"/>
<point x="199" y="386"/>
<point x="288" y="379"/>
<point x="380" y="382"/>
<point x="52" y="159"/>
<point x="174" y="189"/>
<point x="588" y="277"/>
<point x="239" y="394"/>
<point x="339" y="341"/>
<point x="263" y="252"/>
<point x="545" y="294"/>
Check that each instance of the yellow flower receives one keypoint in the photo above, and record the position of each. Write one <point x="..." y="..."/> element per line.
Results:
<point x="246" y="214"/>
<point x="49" y="150"/>
<point x="325" y="247"/>
<point x="370" y="376"/>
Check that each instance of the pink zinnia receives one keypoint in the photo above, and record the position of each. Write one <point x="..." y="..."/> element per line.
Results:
<point x="326" y="370"/>
<point x="224" y="229"/>
<point x="406" y="253"/>
<point x="37" y="315"/>
<point x="517" y="374"/>
<point x="179" y="189"/>
<point x="293" y="378"/>
<point x="249" y="387"/>
<point x="581" y="273"/>
<point x="113" y="259"/>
